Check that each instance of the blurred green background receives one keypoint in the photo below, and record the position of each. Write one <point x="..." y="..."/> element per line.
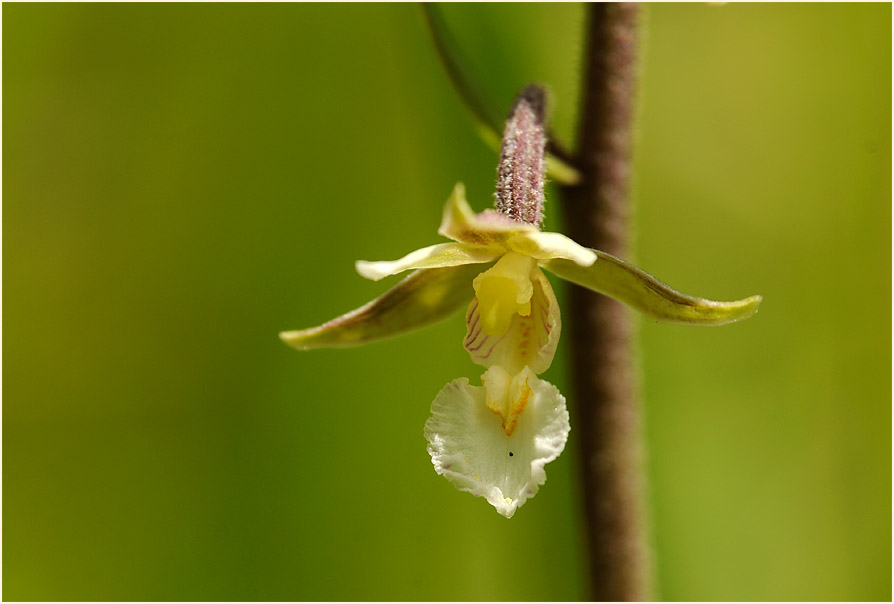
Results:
<point x="182" y="182"/>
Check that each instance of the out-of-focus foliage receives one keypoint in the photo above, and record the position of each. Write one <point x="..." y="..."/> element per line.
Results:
<point x="182" y="182"/>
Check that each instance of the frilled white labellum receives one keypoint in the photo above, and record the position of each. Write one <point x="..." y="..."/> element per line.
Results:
<point x="495" y="441"/>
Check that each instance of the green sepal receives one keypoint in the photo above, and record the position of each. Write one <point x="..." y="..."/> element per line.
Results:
<point x="640" y="290"/>
<point x="424" y="297"/>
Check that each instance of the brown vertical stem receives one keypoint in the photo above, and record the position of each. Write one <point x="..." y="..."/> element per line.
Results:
<point x="597" y="213"/>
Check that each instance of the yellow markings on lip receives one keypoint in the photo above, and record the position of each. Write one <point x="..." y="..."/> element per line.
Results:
<point x="516" y="408"/>
<point x="509" y="408"/>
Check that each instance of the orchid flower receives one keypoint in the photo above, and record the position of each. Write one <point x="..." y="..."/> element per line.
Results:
<point x="494" y="440"/>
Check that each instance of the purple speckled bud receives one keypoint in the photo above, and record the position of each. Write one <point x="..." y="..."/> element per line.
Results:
<point x="522" y="166"/>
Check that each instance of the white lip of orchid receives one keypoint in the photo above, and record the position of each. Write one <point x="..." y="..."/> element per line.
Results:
<point x="470" y="446"/>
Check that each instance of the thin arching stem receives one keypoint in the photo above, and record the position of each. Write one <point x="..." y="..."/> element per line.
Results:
<point x="472" y="96"/>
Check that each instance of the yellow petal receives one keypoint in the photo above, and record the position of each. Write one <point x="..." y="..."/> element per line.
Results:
<point x="546" y="246"/>
<point x="530" y="340"/>
<point x="433" y="256"/>
<point x="503" y="291"/>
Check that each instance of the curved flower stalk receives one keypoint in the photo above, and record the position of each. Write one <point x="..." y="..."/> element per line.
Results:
<point x="559" y="166"/>
<point x="494" y="440"/>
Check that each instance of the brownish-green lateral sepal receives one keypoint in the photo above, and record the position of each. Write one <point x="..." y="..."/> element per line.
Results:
<point x="424" y="297"/>
<point x="640" y="290"/>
